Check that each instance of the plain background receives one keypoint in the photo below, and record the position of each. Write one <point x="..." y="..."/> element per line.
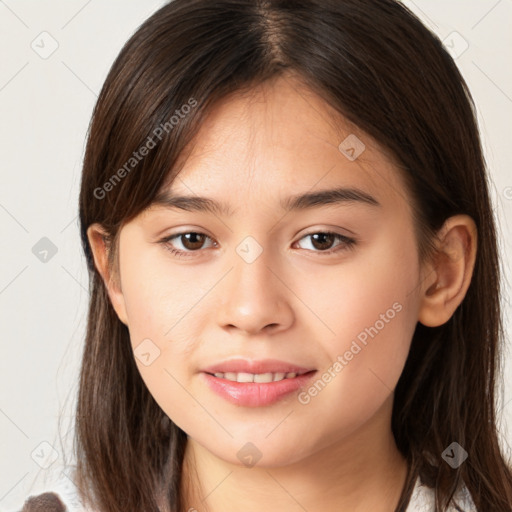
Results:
<point x="46" y="101"/>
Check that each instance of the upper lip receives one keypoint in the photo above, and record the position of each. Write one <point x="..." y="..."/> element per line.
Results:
<point x="258" y="366"/>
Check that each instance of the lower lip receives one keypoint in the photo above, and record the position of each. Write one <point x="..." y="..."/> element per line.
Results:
<point x="256" y="394"/>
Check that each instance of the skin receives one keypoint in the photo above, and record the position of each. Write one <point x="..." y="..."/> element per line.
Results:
<point x="337" y="452"/>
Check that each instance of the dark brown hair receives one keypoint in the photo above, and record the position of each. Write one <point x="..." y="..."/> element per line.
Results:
<point x="376" y="64"/>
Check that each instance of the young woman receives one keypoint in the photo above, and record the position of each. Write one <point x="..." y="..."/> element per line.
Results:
<point x="294" y="270"/>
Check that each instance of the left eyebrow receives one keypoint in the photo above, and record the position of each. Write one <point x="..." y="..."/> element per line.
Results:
<point x="331" y="196"/>
<point x="298" y="202"/>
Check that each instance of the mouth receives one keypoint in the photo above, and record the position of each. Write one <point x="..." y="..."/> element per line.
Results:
<point x="261" y="378"/>
<point x="256" y="389"/>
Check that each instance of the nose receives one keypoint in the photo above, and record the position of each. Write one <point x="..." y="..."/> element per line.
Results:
<point x="254" y="298"/>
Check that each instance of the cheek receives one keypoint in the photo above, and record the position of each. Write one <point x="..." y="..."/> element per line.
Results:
<point x="162" y="351"/>
<point x="161" y="303"/>
<point x="159" y="296"/>
<point x="370" y="306"/>
<point x="373" y="289"/>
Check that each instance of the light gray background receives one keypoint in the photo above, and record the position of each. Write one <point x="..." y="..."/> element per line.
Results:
<point x="45" y="108"/>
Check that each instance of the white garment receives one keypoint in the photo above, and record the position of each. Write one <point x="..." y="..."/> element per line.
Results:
<point x="422" y="498"/>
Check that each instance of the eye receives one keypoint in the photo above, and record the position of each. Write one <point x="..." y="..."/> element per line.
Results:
<point x="191" y="241"/>
<point x="323" y="241"/>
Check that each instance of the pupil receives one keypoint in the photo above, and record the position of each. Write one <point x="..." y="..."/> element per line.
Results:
<point x="191" y="242"/>
<point x="322" y="236"/>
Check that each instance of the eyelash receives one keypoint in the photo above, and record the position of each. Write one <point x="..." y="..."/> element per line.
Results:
<point x="348" y="243"/>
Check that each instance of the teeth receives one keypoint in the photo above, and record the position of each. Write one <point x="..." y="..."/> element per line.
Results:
<point x="264" y="377"/>
<point x="258" y="377"/>
<point x="245" y="377"/>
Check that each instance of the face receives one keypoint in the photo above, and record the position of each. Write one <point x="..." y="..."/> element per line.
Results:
<point x="324" y="289"/>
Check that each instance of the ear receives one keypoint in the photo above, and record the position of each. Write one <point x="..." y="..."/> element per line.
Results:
<point x="100" y="247"/>
<point x="446" y="279"/>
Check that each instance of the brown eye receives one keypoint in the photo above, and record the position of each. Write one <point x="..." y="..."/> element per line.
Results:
<point x="323" y="242"/>
<point x="192" y="241"/>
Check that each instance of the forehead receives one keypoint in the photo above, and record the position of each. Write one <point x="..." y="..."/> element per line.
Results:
<point x="279" y="138"/>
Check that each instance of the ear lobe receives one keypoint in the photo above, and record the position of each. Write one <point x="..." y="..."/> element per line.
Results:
<point x="111" y="278"/>
<point x="449" y="277"/>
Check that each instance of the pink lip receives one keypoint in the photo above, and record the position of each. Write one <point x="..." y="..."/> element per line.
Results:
<point x="262" y="366"/>
<point x="256" y="394"/>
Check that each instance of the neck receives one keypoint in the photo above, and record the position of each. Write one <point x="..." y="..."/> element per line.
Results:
<point x="364" y="471"/>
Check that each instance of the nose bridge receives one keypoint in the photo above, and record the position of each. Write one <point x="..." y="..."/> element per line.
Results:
<point x="253" y="297"/>
<point x="252" y="268"/>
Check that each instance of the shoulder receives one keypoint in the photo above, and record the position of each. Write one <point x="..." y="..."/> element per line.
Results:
<point x="423" y="500"/>
<point x="45" y="502"/>
<point x="60" y="496"/>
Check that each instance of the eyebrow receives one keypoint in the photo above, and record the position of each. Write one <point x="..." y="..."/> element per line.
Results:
<point x="298" y="202"/>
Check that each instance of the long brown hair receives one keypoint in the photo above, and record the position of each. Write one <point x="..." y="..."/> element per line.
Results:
<point x="383" y="70"/>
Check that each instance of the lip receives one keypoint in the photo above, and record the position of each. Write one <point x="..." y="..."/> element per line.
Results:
<point x="259" y="366"/>
<point x="256" y="394"/>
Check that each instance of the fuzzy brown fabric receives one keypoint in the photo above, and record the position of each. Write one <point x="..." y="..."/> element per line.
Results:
<point x="46" y="502"/>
